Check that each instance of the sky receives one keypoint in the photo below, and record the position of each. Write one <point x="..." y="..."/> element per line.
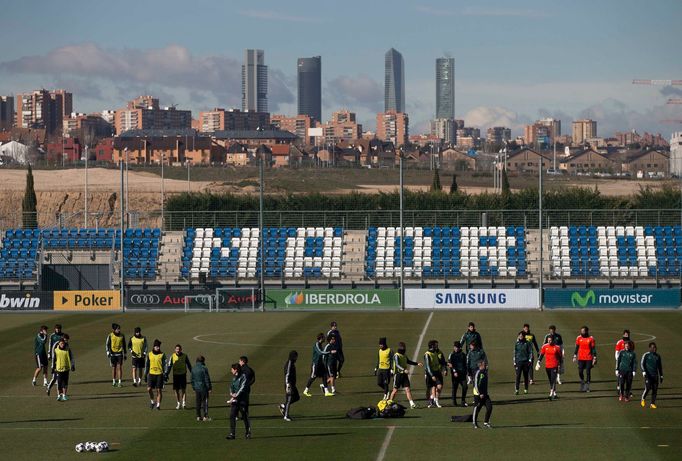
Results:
<point x="515" y="61"/>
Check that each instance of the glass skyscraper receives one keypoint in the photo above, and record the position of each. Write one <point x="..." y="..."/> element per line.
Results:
<point x="394" y="83"/>
<point x="310" y="87"/>
<point x="254" y="81"/>
<point x="445" y="88"/>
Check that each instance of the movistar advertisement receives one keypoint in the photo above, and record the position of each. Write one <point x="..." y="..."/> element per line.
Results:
<point x="25" y="301"/>
<point x="613" y="298"/>
<point x="332" y="299"/>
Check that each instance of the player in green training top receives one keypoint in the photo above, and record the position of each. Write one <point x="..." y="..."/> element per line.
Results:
<point x="457" y="363"/>
<point x="39" y="344"/>
<point x="54" y="340"/>
<point x="318" y="369"/>
<point x="652" y="370"/>
<point x="137" y="345"/>
<point x="116" y="351"/>
<point x="401" y="375"/>
<point x="626" y="367"/>
<point x="434" y="364"/>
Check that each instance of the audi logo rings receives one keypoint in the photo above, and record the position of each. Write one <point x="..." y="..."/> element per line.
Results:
<point x="145" y="299"/>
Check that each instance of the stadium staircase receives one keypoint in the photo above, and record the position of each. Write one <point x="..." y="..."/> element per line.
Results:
<point x="353" y="267"/>
<point x="170" y="256"/>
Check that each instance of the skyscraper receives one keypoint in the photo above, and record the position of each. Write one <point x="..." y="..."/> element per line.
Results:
<point x="254" y="81"/>
<point x="310" y="87"/>
<point x="445" y="88"/>
<point x="394" y="82"/>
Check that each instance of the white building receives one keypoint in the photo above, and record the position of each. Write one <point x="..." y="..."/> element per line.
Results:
<point x="676" y="154"/>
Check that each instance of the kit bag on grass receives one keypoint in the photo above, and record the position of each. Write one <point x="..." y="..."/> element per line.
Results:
<point x="390" y="409"/>
<point x="361" y="413"/>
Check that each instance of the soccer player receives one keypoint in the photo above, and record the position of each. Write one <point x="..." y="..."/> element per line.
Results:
<point x="471" y="336"/>
<point x="247" y="370"/>
<point x="239" y="401"/>
<point x="318" y="369"/>
<point x="553" y="358"/>
<point x="383" y="367"/>
<point x="523" y="361"/>
<point x="626" y="367"/>
<point x="179" y="364"/>
<point x="530" y="338"/>
<point x="290" y="390"/>
<point x="652" y="370"/>
<point x="201" y="383"/>
<point x="137" y="345"/>
<point x="54" y="340"/>
<point x="481" y="397"/>
<point x="476" y="354"/>
<point x="558" y="341"/>
<point x="154" y="374"/>
<point x="116" y="352"/>
<point x="331" y="362"/>
<point x="620" y="345"/>
<point x="334" y="331"/>
<point x="401" y="375"/>
<point x="586" y="355"/>
<point x="39" y="344"/>
<point x="62" y="364"/>
<point x="457" y="364"/>
<point x="434" y="372"/>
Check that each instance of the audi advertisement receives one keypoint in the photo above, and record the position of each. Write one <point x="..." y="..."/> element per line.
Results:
<point x="163" y="299"/>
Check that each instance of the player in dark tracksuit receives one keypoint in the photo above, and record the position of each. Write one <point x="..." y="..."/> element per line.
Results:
<point x="530" y="338"/>
<point x="652" y="370"/>
<point x="318" y="369"/>
<point x="626" y="367"/>
<point x="340" y="358"/>
<point x="523" y="361"/>
<point x="291" y="392"/>
<point x="481" y="397"/>
<point x="476" y="354"/>
<point x="40" y="352"/>
<point x="331" y="362"/>
<point x="457" y="365"/>
<point x="239" y="401"/>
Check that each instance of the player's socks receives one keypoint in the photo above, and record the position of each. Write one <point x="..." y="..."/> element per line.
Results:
<point x="324" y="389"/>
<point x="516" y="392"/>
<point x="177" y="407"/>
<point x="158" y="405"/>
<point x="412" y="404"/>
<point x="34" y="382"/>
<point x="437" y="403"/>
<point x="333" y="390"/>
<point x="151" y="404"/>
<point x="45" y="382"/>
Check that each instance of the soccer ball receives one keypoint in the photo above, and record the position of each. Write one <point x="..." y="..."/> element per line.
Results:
<point x="89" y="446"/>
<point x="80" y="448"/>
<point x="102" y="446"/>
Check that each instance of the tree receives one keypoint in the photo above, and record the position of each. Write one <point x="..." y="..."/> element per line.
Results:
<point x="29" y="206"/>
<point x="453" y="186"/>
<point x="506" y="190"/>
<point x="435" y="185"/>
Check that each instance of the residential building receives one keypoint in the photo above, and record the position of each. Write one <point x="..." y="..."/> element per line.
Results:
<point x="498" y="135"/>
<point x="342" y="126"/>
<point x="527" y="161"/>
<point x="299" y="125"/>
<point x="583" y="129"/>
<point x="109" y="116"/>
<point x="589" y="161"/>
<point x="676" y="154"/>
<point x="64" y="150"/>
<point x="253" y="138"/>
<point x="310" y="87"/>
<point x="542" y="133"/>
<point x="82" y="125"/>
<point x="394" y="82"/>
<point x="233" y="119"/>
<point x="445" y="129"/>
<point x="237" y="154"/>
<point x="445" y="88"/>
<point x="172" y="147"/>
<point x="104" y="150"/>
<point x="6" y="112"/>
<point x="468" y="137"/>
<point x="254" y="81"/>
<point x="645" y="163"/>
<point x="393" y="126"/>
<point x="458" y="160"/>
<point x="144" y="113"/>
<point x="43" y="109"/>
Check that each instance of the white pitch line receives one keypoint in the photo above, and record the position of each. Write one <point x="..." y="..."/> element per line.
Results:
<point x="450" y="427"/>
<point x="389" y="434"/>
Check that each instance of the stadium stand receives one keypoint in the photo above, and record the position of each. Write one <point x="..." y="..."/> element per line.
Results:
<point x="290" y="252"/>
<point x="21" y="249"/>
<point x="447" y="252"/>
<point x="616" y="251"/>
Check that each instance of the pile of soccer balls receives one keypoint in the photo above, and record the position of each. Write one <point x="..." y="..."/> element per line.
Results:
<point x="99" y="447"/>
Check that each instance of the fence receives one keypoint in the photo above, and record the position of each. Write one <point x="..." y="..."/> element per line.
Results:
<point x="355" y="219"/>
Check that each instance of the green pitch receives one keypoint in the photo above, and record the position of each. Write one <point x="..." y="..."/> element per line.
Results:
<point x="594" y="426"/>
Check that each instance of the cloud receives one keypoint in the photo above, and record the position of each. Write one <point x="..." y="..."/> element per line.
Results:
<point x="670" y="91"/>
<point x="359" y="91"/>
<point x="275" y="16"/>
<point x="613" y="115"/>
<point x="173" y="67"/>
<point x="485" y="117"/>
<point x="482" y="11"/>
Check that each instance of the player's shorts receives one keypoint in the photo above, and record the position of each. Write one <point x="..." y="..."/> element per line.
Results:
<point x="155" y="381"/>
<point x="383" y="376"/>
<point x="63" y="378"/>
<point x="332" y="369"/>
<point x="318" y="371"/>
<point x="41" y="360"/>
<point x="179" y="382"/>
<point x="138" y="362"/>
<point x="439" y="378"/>
<point x="115" y="360"/>
<point x="401" y="381"/>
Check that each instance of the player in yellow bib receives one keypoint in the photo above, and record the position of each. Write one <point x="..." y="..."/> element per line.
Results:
<point x="154" y="375"/>
<point x="116" y="351"/>
<point x="62" y="364"/>
<point x="137" y="345"/>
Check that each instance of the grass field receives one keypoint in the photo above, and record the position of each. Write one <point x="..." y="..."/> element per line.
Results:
<point x="591" y="426"/>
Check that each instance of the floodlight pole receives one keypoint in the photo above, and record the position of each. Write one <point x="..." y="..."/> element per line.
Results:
<point x="541" y="274"/>
<point x="402" y="232"/>
<point x="86" y="186"/>
<point x="260" y="229"/>
<point x="121" y="252"/>
<point x="127" y="196"/>
<point x="163" y="189"/>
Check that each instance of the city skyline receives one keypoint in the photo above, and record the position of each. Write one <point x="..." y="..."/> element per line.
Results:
<point x="394" y="81"/>
<point x="515" y="64"/>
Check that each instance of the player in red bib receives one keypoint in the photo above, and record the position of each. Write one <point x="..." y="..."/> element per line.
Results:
<point x="586" y="356"/>
<point x="553" y="359"/>
<point x="620" y="345"/>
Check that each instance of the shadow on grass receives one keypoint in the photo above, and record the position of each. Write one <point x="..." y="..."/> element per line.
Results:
<point x="325" y="434"/>
<point x="511" y="426"/>
<point x="111" y="396"/>
<point x="49" y="420"/>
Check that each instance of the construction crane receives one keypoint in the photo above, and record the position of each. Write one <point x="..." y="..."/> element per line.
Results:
<point x="656" y="82"/>
<point x="674" y="101"/>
